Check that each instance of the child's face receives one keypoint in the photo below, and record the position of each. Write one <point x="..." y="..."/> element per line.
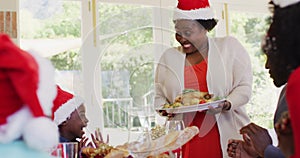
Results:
<point x="77" y="122"/>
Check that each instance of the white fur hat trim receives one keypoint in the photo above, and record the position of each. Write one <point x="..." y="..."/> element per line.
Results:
<point x="46" y="87"/>
<point x="202" y="13"/>
<point x="65" y="110"/>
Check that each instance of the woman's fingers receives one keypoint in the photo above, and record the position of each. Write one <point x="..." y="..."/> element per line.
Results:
<point x="226" y="105"/>
<point x="212" y="110"/>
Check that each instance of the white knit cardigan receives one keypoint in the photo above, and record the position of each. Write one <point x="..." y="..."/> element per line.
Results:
<point x="229" y="75"/>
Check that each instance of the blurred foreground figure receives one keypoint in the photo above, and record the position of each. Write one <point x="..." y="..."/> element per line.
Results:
<point x="27" y="91"/>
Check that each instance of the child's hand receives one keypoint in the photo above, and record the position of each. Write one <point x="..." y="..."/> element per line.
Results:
<point x="98" y="139"/>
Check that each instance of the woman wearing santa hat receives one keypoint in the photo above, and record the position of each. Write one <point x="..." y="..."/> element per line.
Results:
<point x="219" y="66"/>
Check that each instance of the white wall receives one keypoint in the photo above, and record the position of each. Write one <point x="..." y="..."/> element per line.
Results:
<point x="10" y="6"/>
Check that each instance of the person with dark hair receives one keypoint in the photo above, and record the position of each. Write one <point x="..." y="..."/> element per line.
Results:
<point x="286" y="24"/>
<point x="282" y="49"/>
<point x="219" y="66"/>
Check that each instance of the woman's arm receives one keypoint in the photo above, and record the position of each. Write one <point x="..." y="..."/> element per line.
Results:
<point x="241" y="75"/>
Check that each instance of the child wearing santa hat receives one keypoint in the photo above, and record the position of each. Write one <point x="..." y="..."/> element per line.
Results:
<point x="69" y="115"/>
<point x="27" y="91"/>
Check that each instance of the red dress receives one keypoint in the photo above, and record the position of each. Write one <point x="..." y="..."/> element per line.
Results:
<point x="207" y="143"/>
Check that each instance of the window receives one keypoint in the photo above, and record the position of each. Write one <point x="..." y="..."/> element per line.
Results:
<point x="249" y="28"/>
<point x="53" y="28"/>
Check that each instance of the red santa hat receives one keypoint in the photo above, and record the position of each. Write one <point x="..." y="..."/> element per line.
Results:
<point x="64" y="104"/>
<point x="27" y="90"/>
<point x="193" y="10"/>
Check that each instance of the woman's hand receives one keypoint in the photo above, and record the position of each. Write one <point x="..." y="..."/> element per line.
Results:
<point x="224" y="106"/>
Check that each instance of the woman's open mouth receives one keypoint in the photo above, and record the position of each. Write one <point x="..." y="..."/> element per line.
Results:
<point x="188" y="45"/>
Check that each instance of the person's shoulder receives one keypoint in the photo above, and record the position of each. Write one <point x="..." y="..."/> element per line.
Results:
<point x="173" y="51"/>
<point x="229" y="43"/>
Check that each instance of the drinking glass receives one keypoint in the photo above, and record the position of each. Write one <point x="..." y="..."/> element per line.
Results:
<point x="140" y="141"/>
<point x="66" y="150"/>
<point x="175" y="125"/>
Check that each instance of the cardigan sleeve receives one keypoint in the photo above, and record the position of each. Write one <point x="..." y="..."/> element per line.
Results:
<point x="160" y="97"/>
<point x="169" y="76"/>
<point x="241" y="74"/>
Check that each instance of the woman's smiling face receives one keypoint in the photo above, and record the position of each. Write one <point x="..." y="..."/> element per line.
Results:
<point x="191" y="35"/>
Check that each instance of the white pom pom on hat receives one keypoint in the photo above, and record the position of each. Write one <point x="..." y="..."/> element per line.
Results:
<point x="37" y="134"/>
<point x="193" y="10"/>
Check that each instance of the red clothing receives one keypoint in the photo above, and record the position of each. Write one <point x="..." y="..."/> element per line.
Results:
<point x="292" y="96"/>
<point x="207" y="143"/>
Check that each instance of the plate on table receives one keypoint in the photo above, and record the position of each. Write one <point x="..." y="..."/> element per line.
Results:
<point x="193" y="108"/>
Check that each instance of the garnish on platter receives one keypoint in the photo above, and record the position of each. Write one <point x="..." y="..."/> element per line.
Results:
<point x="104" y="151"/>
<point x="191" y="100"/>
<point x="165" y="143"/>
<point x="157" y="132"/>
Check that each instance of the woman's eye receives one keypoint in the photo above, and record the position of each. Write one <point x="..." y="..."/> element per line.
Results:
<point x="184" y="34"/>
<point x="187" y="33"/>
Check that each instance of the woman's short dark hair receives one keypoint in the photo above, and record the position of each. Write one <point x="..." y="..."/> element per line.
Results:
<point x="208" y="24"/>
